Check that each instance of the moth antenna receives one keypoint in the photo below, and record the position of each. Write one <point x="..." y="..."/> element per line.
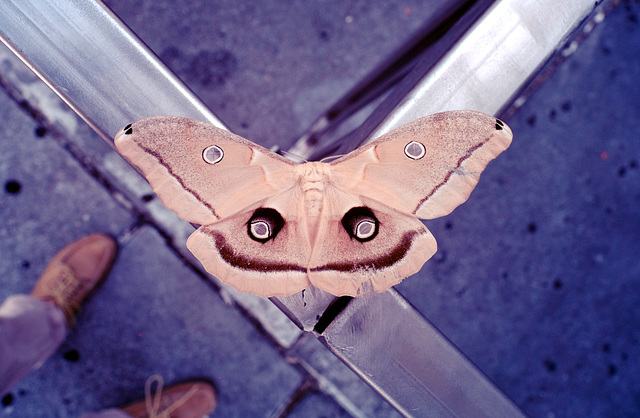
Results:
<point x="293" y="156"/>
<point x="331" y="158"/>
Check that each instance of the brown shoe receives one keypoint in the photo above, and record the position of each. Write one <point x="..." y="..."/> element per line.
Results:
<point x="192" y="399"/>
<point x="75" y="272"/>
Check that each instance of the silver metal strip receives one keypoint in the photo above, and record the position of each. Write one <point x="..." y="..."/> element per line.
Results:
<point x="403" y="356"/>
<point x="84" y="53"/>
<point x="484" y="70"/>
<point x="425" y="375"/>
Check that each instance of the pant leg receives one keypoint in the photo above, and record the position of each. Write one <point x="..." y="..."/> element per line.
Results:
<point x="30" y="331"/>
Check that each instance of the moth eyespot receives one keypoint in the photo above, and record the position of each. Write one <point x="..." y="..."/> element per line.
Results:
<point x="260" y="229"/>
<point x="499" y="125"/>
<point x="212" y="154"/>
<point x="361" y="224"/>
<point x="264" y="225"/>
<point x="414" y="150"/>
<point x="365" y="229"/>
<point x="128" y="130"/>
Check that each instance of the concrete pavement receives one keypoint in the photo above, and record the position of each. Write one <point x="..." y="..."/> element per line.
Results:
<point x="536" y="278"/>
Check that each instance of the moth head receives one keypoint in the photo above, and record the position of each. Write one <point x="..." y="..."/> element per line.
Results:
<point x="264" y="224"/>
<point x="361" y="223"/>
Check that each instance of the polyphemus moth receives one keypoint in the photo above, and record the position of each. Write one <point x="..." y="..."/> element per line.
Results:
<point x="272" y="227"/>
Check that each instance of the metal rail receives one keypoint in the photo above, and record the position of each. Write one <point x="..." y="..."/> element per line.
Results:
<point x="99" y="67"/>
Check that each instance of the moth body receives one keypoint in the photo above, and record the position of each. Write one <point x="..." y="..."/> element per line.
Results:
<point x="313" y="178"/>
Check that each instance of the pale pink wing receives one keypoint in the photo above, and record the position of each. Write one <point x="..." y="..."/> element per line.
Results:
<point x="428" y="167"/>
<point x="367" y="247"/>
<point x="201" y="172"/>
<point x="271" y="264"/>
<point x="421" y="170"/>
<point x="223" y="182"/>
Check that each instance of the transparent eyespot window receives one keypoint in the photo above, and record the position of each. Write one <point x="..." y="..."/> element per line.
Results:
<point x="415" y="150"/>
<point x="260" y="229"/>
<point x="212" y="154"/>
<point x="365" y="229"/>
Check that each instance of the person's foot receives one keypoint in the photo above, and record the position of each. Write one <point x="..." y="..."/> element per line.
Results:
<point x="75" y="272"/>
<point x="192" y="399"/>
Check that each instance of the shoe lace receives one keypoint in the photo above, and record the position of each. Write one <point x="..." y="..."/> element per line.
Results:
<point x="152" y="400"/>
<point x="63" y="293"/>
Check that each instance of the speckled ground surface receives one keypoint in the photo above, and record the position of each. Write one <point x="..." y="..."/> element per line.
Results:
<point x="536" y="279"/>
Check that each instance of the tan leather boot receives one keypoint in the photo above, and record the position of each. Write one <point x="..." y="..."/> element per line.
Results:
<point x="75" y="272"/>
<point x="192" y="399"/>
